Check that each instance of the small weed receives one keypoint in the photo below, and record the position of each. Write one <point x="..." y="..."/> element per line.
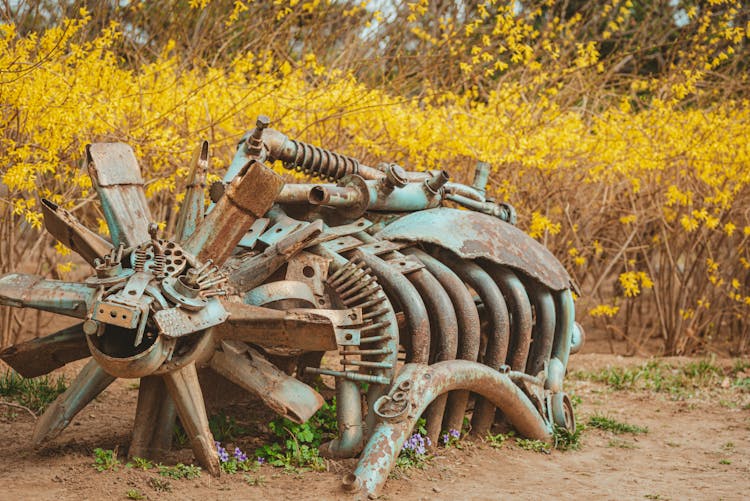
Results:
<point x="654" y="496"/>
<point x="528" y="444"/>
<point x="180" y="471"/>
<point x="564" y="440"/>
<point x="724" y="461"/>
<point x="609" y="424"/>
<point x="140" y="463"/>
<point x="621" y="444"/>
<point x="134" y="494"/>
<point x="160" y="484"/>
<point x="105" y="459"/>
<point x="729" y="446"/>
<point x="674" y="444"/>
<point x="497" y="441"/>
<point x="296" y="445"/>
<point x="35" y="393"/>
<point x="225" y="428"/>
<point x="255" y="481"/>
<point x="179" y="435"/>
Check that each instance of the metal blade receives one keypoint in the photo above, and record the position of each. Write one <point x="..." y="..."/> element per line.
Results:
<point x="186" y="393"/>
<point x="291" y="330"/>
<point x="43" y="355"/>
<point x="89" y="383"/>
<point x="117" y="178"/>
<point x="154" y="420"/>
<point x="66" y="228"/>
<point x="32" y="291"/>
<point x="193" y="208"/>
<point x="245" y="367"/>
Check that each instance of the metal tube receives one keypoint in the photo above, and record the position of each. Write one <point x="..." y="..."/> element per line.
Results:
<point x="397" y="286"/>
<point x="468" y="329"/>
<point x="499" y="325"/>
<point x="564" y="323"/>
<point x="444" y="340"/>
<point x="246" y="199"/>
<point x="419" y="385"/>
<point x="520" y="311"/>
<point x="543" y="332"/>
<point x="349" y="417"/>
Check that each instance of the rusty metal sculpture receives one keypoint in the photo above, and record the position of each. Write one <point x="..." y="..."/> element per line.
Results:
<point x="368" y="265"/>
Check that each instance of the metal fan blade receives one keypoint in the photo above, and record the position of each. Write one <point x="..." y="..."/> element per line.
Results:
<point x="43" y="355"/>
<point x="186" y="393"/>
<point x="292" y="330"/>
<point x="192" y="209"/>
<point x="154" y="420"/>
<point x="32" y="291"/>
<point x="66" y="228"/>
<point x="117" y="178"/>
<point x="89" y="383"/>
<point x="246" y="199"/>
<point x="245" y="367"/>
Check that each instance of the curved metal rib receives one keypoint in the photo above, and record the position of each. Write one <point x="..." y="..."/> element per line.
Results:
<point x="397" y="286"/>
<point x="444" y="340"/>
<point x="499" y="325"/>
<point x="543" y="333"/>
<point x="520" y="311"/>
<point x="469" y="330"/>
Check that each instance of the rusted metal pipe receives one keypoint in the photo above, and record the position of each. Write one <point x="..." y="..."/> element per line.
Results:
<point x="444" y="340"/>
<point x="469" y="330"/>
<point x="543" y="333"/>
<point x="398" y="286"/>
<point x="520" y="311"/>
<point x="351" y="436"/>
<point x="246" y="199"/>
<point x="415" y="387"/>
<point x="499" y="329"/>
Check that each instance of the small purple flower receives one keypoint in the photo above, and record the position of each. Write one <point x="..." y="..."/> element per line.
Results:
<point x="223" y="454"/>
<point x="455" y="433"/>
<point x="446" y="438"/>
<point x="239" y="455"/>
<point x="261" y="460"/>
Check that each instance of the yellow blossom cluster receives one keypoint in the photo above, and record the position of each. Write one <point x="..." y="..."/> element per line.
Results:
<point x="642" y="192"/>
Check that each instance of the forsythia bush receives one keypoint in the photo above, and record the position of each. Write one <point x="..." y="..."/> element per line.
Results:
<point x="640" y="188"/>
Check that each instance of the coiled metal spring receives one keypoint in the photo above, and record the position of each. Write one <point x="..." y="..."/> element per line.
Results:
<point x="314" y="161"/>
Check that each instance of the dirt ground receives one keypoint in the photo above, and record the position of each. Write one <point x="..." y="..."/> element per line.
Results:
<point x="696" y="448"/>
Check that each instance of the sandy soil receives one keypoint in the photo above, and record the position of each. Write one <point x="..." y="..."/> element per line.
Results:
<point x="696" y="448"/>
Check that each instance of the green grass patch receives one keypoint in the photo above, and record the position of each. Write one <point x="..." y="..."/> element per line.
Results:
<point x="609" y="424"/>
<point x="34" y="393"/>
<point x="658" y="376"/>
